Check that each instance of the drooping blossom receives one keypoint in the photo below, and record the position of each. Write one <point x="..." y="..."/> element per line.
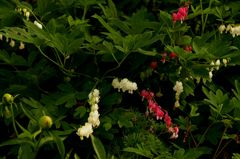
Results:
<point x="179" y="89"/>
<point x="124" y="85"/>
<point x="147" y="94"/>
<point x="163" y="59"/>
<point x="93" y="119"/>
<point x="160" y="113"/>
<point x="181" y="15"/>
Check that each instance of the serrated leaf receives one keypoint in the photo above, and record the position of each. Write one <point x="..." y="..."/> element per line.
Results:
<point x="140" y="152"/>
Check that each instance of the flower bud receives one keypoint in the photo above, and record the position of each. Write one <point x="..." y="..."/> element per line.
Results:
<point x="21" y="46"/>
<point x="12" y="43"/>
<point x="225" y="62"/>
<point x="45" y="122"/>
<point x="38" y="24"/>
<point x="7" y="98"/>
<point x="27" y="15"/>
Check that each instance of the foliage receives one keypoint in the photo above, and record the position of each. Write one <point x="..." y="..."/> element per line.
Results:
<point x="55" y="54"/>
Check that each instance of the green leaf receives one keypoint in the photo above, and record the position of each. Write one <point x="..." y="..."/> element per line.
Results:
<point x="112" y="99"/>
<point x="194" y="110"/>
<point x="148" y="53"/>
<point x="184" y="40"/>
<point x="139" y="151"/>
<point x="17" y="141"/>
<point x="64" y="98"/>
<point x="98" y="148"/>
<point x="166" y="18"/>
<point x="26" y="151"/>
<point x="60" y="145"/>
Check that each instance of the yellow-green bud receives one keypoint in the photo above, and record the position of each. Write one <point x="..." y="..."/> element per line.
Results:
<point x="7" y="98"/>
<point x="45" y="122"/>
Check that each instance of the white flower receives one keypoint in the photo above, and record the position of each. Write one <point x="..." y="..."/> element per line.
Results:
<point x="85" y="131"/>
<point x="38" y="24"/>
<point x="217" y="63"/>
<point x="94" y="107"/>
<point x="225" y="61"/>
<point x="94" y="97"/>
<point x="124" y="85"/>
<point x="221" y="28"/>
<point x="235" y="30"/>
<point x="27" y="15"/>
<point x="21" y="46"/>
<point x="12" y="43"/>
<point x="210" y="74"/>
<point x="176" y="104"/>
<point x="228" y="28"/>
<point x="94" y="118"/>
<point x="178" y="87"/>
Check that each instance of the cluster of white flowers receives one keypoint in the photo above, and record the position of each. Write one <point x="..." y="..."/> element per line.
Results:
<point x="12" y="42"/>
<point x="179" y="89"/>
<point x="232" y="29"/>
<point x="24" y="11"/>
<point x="216" y="65"/>
<point x="124" y="85"/>
<point x="93" y="119"/>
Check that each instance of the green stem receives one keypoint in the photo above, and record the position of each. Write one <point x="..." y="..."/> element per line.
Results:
<point x="119" y="64"/>
<point x="204" y="134"/>
<point x="65" y="71"/>
<point x="84" y="12"/>
<point x="202" y="16"/>
<point x="204" y="21"/>
<point x="220" y="143"/>
<point x="13" y="120"/>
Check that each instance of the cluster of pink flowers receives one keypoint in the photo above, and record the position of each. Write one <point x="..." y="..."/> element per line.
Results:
<point x="181" y="15"/>
<point x="160" y="113"/>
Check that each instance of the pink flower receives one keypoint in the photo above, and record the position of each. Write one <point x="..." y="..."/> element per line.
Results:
<point x="167" y="120"/>
<point x="147" y="94"/>
<point x="159" y="113"/>
<point x="152" y="106"/>
<point x="181" y="15"/>
<point x="174" y="132"/>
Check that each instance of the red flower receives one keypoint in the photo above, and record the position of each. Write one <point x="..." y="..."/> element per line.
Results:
<point x="188" y="48"/>
<point x="181" y="15"/>
<point x="173" y="55"/>
<point x="159" y="113"/>
<point x="163" y="59"/>
<point x="174" y="132"/>
<point x="152" y="106"/>
<point x="154" y="65"/>
<point x="167" y="120"/>
<point x="147" y="94"/>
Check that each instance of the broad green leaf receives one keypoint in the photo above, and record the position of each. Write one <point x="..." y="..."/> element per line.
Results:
<point x="98" y="148"/>
<point x="17" y="141"/>
<point x="26" y="151"/>
<point x="60" y="145"/>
